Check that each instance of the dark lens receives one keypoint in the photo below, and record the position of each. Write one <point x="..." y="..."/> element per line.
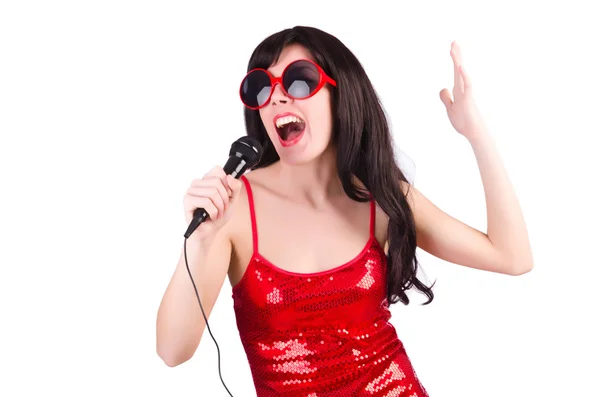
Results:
<point x="255" y="88"/>
<point x="301" y="79"/>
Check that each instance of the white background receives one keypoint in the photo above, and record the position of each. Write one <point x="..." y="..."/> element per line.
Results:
<point x="109" y="109"/>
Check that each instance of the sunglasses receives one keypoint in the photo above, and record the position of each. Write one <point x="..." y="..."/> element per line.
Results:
<point x="300" y="79"/>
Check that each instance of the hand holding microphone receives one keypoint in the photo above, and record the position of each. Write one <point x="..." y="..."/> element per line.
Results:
<point x="215" y="193"/>
<point x="212" y="196"/>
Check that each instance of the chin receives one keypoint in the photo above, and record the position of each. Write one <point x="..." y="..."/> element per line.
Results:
<point x="303" y="155"/>
<point x="297" y="160"/>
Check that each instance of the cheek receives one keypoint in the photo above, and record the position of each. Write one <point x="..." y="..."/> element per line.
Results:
<point x="266" y="122"/>
<point x="324" y="117"/>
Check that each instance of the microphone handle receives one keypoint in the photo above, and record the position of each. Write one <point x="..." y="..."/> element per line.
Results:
<point x="235" y="166"/>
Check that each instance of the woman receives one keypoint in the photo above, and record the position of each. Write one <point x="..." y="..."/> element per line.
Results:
<point x="320" y="237"/>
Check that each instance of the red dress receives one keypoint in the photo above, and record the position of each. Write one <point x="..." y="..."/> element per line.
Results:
<point x="322" y="334"/>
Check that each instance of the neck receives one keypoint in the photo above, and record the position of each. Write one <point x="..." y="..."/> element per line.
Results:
<point x="315" y="182"/>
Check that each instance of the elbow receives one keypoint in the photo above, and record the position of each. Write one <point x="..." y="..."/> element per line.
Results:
<point x="519" y="268"/>
<point x="516" y="263"/>
<point x="175" y="351"/>
<point x="521" y="271"/>
<point x="172" y="360"/>
<point x="172" y="363"/>
<point x="170" y="357"/>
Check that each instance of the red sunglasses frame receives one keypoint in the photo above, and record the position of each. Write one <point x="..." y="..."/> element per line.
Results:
<point x="323" y="79"/>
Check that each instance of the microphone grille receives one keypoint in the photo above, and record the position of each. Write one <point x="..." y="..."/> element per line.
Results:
<point x="250" y="149"/>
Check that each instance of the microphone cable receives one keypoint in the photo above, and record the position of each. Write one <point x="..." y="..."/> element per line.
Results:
<point x="204" y="315"/>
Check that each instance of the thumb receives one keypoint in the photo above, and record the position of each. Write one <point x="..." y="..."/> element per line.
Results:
<point x="235" y="185"/>
<point x="446" y="99"/>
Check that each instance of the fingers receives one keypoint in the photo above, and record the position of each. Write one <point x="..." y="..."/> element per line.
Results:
<point x="212" y="188"/>
<point x="445" y="97"/>
<point x="222" y="190"/>
<point x="456" y="55"/>
<point x="455" y="62"/>
<point x="216" y="172"/>
<point x="215" y="191"/>
<point x="217" y="197"/>
<point x="203" y="202"/>
<point x="235" y="185"/>
<point x="466" y="79"/>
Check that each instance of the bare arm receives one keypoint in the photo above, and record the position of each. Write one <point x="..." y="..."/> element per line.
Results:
<point x="504" y="248"/>
<point x="180" y="324"/>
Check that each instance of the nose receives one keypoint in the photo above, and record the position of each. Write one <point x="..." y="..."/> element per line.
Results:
<point x="279" y="96"/>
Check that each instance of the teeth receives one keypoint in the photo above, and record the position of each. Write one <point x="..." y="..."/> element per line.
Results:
<point x="287" y="119"/>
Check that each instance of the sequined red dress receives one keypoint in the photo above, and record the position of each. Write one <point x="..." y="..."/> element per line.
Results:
<point x="322" y="334"/>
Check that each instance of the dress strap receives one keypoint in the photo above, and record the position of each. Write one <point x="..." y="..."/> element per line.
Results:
<point x="252" y="213"/>
<point x="372" y="221"/>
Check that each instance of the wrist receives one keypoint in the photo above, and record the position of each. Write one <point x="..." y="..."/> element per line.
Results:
<point x="482" y="140"/>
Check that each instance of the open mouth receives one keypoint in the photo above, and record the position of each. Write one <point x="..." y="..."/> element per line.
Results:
<point x="289" y="128"/>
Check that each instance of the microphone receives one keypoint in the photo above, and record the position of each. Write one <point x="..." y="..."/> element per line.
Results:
<point x="244" y="153"/>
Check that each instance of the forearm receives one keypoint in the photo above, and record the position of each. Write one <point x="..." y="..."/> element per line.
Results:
<point x="179" y="324"/>
<point x="506" y="226"/>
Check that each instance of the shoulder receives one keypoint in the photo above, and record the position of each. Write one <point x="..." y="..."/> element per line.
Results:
<point x="259" y="178"/>
<point x="409" y="191"/>
<point x="424" y="212"/>
<point x="382" y="218"/>
<point x="240" y="221"/>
